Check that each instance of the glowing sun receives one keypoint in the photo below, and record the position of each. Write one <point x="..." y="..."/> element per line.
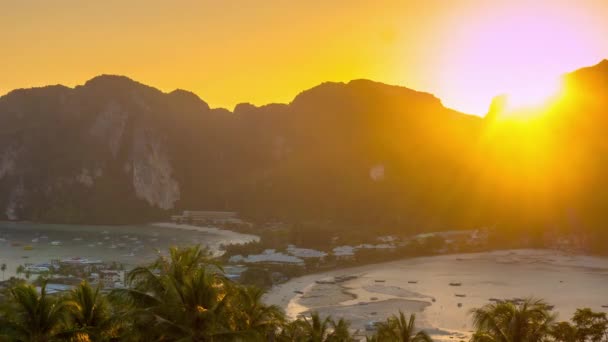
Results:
<point x="533" y="94"/>
<point x="514" y="50"/>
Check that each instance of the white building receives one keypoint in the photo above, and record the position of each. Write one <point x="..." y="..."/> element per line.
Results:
<point x="268" y="256"/>
<point x="305" y="252"/>
<point x="112" y="278"/>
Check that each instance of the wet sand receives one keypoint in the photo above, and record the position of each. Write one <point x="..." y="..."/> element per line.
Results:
<point x="422" y="286"/>
<point x="128" y="244"/>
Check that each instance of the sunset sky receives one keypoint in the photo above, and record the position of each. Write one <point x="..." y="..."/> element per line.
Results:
<point x="227" y="52"/>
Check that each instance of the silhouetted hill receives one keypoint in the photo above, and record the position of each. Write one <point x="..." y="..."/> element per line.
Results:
<point x="114" y="150"/>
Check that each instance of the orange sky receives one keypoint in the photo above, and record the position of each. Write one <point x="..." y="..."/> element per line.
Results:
<point x="263" y="51"/>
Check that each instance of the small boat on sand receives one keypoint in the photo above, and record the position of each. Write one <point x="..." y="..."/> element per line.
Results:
<point x="372" y="325"/>
<point x="460" y="295"/>
<point x="455" y="284"/>
<point x="412" y="282"/>
<point x="341" y="279"/>
<point x="380" y="280"/>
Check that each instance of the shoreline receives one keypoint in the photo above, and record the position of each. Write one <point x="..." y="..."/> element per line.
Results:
<point x="225" y="233"/>
<point x="382" y="289"/>
<point x="26" y="242"/>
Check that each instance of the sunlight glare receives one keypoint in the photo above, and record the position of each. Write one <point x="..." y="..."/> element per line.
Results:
<point x="533" y="95"/>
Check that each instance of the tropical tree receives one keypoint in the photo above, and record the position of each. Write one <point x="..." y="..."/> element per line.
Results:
<point x="20" y="269"/>
<point x="3" y="269"/>
<point x="250" y="316"/>
<point x="564" y="332"/>
<point x="590" y="325"/>
<point x="315" y="328"/>
<point x="528" y="321"/>
<point x="181" y="297"/>
<point x="400" y="328"/>
<point x="293" y="331"/>
<point x="30" y="316"/>
<point x="373" y="338"/>
<point x="340" y="331"/>
<point x="88" y="314"/>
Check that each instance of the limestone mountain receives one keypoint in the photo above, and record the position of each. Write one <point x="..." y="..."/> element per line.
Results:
<point x="114" y="150"/>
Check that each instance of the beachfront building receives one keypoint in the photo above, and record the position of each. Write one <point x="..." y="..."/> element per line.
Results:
<point x="305" y="252"/>
<point x="269" y="256"/>
<point x="112" y="278"/>
<point x="205" y="217"/>
<point x="233" y="272"/>
<point x="344" y="252"/>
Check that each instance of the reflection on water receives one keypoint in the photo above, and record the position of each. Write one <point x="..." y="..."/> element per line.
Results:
<point x="130" y="244"/>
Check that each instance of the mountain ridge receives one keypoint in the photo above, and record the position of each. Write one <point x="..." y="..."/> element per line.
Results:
<point x="116" y="79"/>
<point x="115" y="150"/>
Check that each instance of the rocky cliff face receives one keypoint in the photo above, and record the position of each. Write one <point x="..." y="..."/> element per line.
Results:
<point x="114" y="150"/>
<point x="65" y="153"/>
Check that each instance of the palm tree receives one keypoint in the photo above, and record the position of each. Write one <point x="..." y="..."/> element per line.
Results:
<point x="182" y="297"/>
<point x="20" y="269"/>
<point x="30" y="316"/>
<point x="88" y="314"/>
<point x="315" y="328"/>
<point x="293" y="331"/>
<point x="251" y="316"/>
<point x="508" y="322"/>
<point x="400" y="328"/>
<point x="3" y="269"/>
<point x="340" y="331"/>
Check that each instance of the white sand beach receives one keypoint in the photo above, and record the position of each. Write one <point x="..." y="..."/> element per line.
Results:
<point x="422" y="286"/>
<point x="222" y="236"/>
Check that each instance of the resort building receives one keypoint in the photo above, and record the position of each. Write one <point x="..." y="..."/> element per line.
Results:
<point x="205" y="217"/>
<point x="112" y="278"/>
